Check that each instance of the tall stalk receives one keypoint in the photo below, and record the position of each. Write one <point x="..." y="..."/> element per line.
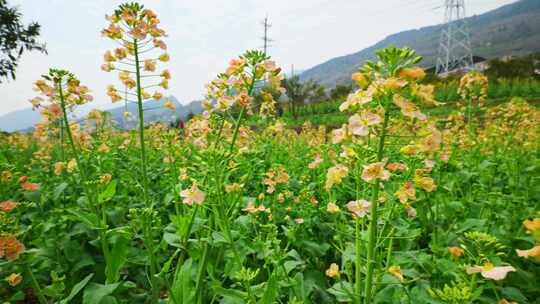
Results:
<point x="84" y="176"/>
<point x="147" y="229"/>
<point x="372" y="230"/>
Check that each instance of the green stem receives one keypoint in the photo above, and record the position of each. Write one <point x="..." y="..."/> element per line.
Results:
<point x="358" y="273"/>
<point x="372" y="230"/>
<point x="35" y="285"/>
<point x="84" y="176"/>
<point x="141" y="121"/>
<point x="148" y="223"/>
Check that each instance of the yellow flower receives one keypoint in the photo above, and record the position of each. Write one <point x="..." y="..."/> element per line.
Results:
<point x="393" y="84"/>
<point x="425" y="182"/>
<point x="6" y="176"/>
<point x="192" y="195"/>
<point x="335" y="175"/>
<point x="408" y="108"/>
<point x="396" y="271"/>
<point x="169" y="105"/>
<point x="164" y="84"/>
<point x="533" y="253"/>
<point x="164" y="57"/>
<point x="360" y="79"/>
<point x="333" y="271"/>
<point x="415" y="73"/>
<point x="233" y="188"/>
<point x="375" y="171"/>
<point x="109" y="57"/>
<point x="157" y="96"/>
<point x="58" y="168"/>
<point x="107" y="67"/>
<point x="316" y="162"/>
<point x="72" y="165"/>
<point x="105" y="178"/>
<point x="166" y="74"/>
<point x="406" y="192"/>
<point x="120" y="53"/>
<point x="149" y="65"/>
<point x="533" y="225"/>
<point x="14" y="279"/>
<point x="455" y="251"/>
<point x="104" y="148"/>
<point x="332" y="208"/>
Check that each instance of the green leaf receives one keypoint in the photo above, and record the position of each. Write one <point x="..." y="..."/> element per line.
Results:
<point x="271" y="291"/>
<point x="117" y="258"/>
<point x="89" y="219"/>
<point x="77" y="288"/>
<point x="94" y="293"/>
<point x="108" y="193"/>
<point x="59" y="190"/>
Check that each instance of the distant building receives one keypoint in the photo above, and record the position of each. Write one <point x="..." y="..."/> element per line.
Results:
<point x="479" y="64"/>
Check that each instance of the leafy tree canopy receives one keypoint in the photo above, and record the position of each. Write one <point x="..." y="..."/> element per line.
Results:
<point x="15" y="38"/>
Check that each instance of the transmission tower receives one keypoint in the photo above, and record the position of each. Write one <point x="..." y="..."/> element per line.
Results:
<point x="265" y="38"/>
<point x="455" y="43"/>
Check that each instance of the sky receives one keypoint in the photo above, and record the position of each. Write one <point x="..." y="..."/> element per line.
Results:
<point x="203" y="35"/>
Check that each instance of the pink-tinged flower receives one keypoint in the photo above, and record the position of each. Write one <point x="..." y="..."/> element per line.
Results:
<point x="8" y="206"/>
<point x="10" y="247"/>
<point x="408" y="108"/>
<point x="192" y="195"/>
<point x="335" y="175"/>
<point x="359" y="124"/>
<point x="533" y="253"/>
<point x="338" y="135"/>
<point x="375" y="171"/>
<point x="406" y="192"/>
<point x="505" y="301"/>
<point x="316" y="162"/>
<point x="270" y="66"/>
<point x="160" y="44"/>
<point x="357" y="98"/>
<point x="359" y="208"/>
<point x="30" y="187"/>
<point x="14" y="279"/>
<point x="252" y="209"/>
<point x="332" y="208"/>
<point x="491" y="272"/>
<point x="411" y="212"/>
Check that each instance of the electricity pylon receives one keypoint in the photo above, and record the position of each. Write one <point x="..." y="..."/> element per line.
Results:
<point x="455" y="44"/>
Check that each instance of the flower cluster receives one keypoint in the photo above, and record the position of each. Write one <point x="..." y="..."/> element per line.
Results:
<point x="137" y="30"/>
<point x="473" y="86"/>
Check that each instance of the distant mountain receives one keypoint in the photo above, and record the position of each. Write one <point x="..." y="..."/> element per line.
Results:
<point x="24" y="120"/>
<point x="513" y="29"/>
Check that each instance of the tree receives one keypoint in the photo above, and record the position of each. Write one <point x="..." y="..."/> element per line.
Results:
<point x="301" y="92"/>
<point x="340" y="91"/>
<point x="15" y="38"/>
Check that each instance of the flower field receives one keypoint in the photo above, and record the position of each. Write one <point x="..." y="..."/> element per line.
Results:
<point x="401" y="204"/>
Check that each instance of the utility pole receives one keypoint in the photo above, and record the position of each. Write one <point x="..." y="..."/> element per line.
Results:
<point x="455" y="50"/>
<point x="265" y="38"/>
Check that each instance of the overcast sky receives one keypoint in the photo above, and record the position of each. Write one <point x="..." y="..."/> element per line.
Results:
<point x="205" y="34"/>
